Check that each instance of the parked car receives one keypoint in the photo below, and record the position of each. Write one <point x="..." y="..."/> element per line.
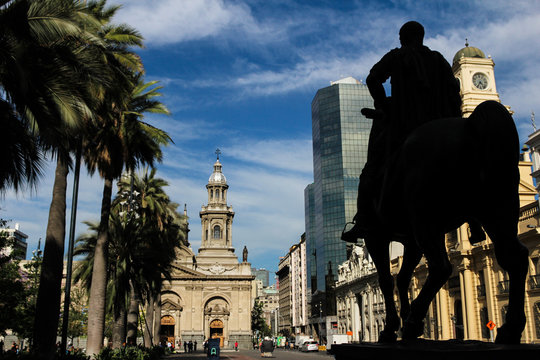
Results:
<point x="309" y="345"/>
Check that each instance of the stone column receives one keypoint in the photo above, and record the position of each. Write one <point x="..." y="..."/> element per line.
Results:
<point x="469" y="308"/>
<point x="445" y="323"/>
<point x="491" y="290"/>
<point x="371" y="318"/>
<point x="355" y="316"/>
<point x="363" y="316"/>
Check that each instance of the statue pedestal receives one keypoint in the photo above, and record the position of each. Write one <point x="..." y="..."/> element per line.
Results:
<point x="436" y="350"/>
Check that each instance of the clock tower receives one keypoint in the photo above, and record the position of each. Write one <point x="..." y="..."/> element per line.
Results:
<point x="475" y="74"/>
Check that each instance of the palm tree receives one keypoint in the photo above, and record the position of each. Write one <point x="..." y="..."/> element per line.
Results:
<point x="40" y="81"/>
<point x="141" y="248"/>
<point x="159" y="221"/>
<point x="126" y="142"/>
<point x="44" y="69"/>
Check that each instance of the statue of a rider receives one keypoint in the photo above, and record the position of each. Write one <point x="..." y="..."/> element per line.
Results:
<point x="423" y="88"/>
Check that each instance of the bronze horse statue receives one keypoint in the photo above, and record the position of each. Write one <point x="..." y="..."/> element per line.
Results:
<point x="470" y="167"/>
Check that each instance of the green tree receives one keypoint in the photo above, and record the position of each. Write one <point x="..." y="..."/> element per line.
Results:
<point x="258" y="322"/>
<point x="128" y="143"/>
<point x="122" y="141"/>
<point x="70" y="63"/>
<point x="78" y="314"/>
<point x="26" y="309"/>
<point x="144" y="230"/>
<point x="41" y="81"/>
<point x="13" y="290"/>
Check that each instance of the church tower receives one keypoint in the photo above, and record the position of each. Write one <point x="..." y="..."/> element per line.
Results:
<point x="475" y="74"/>
<point x="216" y="220"/>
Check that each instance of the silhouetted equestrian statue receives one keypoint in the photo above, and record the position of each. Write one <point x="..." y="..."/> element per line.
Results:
<point x="428" y="172"/>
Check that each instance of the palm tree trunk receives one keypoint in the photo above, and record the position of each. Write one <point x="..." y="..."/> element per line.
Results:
<point x="132" y="318"/>
<point x="149" y="324"/>
<point x="157" y="319"/>
<point x="96" y="306"/>
<point x="119" y="328"/>
<point x="50" y="286"/>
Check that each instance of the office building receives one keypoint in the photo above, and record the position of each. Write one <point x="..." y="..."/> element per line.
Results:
<point x="340" y="141"/>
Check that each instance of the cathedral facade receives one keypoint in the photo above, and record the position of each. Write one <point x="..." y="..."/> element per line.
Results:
<point x="210" y="294"/>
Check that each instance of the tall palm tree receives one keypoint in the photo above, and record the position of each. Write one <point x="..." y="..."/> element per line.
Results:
<point x="44" y="69"/>
<point x="125" y="142"/>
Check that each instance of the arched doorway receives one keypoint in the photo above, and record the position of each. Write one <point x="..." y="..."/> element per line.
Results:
<point x="167" y="329"/>
<point x="216" y="331"/>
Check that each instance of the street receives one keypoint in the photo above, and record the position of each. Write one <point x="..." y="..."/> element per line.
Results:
<point x="255" y="354"/>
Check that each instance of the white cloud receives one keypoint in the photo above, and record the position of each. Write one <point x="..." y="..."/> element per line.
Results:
<point x="285" y="154"/>
<point x="172" y="21"/>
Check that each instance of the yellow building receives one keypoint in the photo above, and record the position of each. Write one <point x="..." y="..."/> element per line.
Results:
<point x="210" y="294"/>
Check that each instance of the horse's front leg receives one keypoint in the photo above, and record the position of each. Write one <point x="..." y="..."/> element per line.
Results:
<point x="378" y="250"/>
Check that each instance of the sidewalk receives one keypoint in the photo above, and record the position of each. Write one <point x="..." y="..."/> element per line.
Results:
<point x="224" y="354"/>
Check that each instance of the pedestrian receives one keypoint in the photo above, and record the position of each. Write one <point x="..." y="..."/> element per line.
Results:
<point x="195" y="345"/>
<point x="185" y="346"/>
<point x="190" y="346"/>
<point x="236" y="345"/>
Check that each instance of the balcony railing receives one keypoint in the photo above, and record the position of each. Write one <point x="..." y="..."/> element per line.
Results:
<point x="529" y="211"/>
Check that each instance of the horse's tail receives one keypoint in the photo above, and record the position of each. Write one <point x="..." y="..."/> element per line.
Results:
<point x="494" y="133"/>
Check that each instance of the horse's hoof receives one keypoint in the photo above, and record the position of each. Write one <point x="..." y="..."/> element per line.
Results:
<point x="386" y="337"/>
<point x="507" y="336"/>
<point x="412" y="329"/>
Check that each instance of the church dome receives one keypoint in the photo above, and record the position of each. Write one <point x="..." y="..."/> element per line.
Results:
<point x="217" y="176"/>
<point x="469" y="51"/>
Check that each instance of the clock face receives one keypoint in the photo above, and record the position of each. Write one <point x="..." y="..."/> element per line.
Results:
<point x="480" y="81"/>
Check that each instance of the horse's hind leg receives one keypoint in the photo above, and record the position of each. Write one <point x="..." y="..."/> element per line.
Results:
<point x="512" y="256"/>
<point x="378" y="250"/>
<point x="439" y="270"/>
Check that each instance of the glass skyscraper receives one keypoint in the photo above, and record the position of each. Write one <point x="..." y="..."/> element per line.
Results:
<point x="340" y="141"/>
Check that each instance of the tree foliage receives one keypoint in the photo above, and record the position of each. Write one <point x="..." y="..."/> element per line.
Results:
<point x="13" y="290"/>
<point x="26" y="309"/>
<point x="144" y="231"/>
<point x="258" y="322"/>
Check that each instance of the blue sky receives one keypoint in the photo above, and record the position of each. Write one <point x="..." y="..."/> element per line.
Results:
<point x="240" y="75"/>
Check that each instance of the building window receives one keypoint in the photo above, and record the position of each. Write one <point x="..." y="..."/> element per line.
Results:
<point x="537" y="318"/>
<point x="217" y="232"/>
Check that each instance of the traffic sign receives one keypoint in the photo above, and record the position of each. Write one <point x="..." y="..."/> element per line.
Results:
<point x="491" y="325"/>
